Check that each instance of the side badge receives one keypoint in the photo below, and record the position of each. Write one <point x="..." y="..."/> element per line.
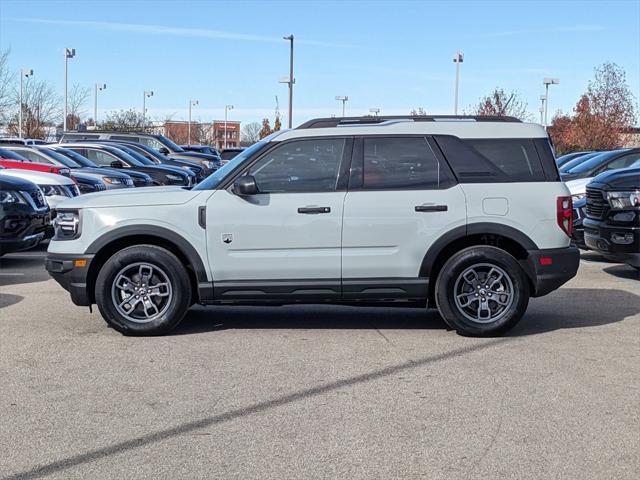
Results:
<point x="227" y="238"/>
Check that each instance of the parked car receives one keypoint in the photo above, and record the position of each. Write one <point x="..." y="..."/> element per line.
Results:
<point x="158" y="142"/>
<point x="574" y="162"/>
<point x="22" y="141"/>
<point x="158" y="158"/>
<point x="560" y="161"/>
<point x="112" y="157"/>
<point x="85" y="178"/>
<point x="10" y="159"/>
<point x="579" y="176"/>
<point x="24" y="214"/>
<point x="112" y="177"/>
<point x="230" y="153"/>
<point x="612" y="223"/>
<point x="579" y="213"/>
<point x="467" y="216"/>
<point x="201" y="149"/>
<point x="56" y="188"/>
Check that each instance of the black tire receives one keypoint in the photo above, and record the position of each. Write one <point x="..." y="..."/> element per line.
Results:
<point x="487" y="264"/>
<point x="165" y="268"/>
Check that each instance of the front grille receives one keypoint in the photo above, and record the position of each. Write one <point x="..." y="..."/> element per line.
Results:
<point x="38" y="198"/>
<point x="596" y="203"/>
<point x="100" y="187"/>
<point x="128" y="182"/>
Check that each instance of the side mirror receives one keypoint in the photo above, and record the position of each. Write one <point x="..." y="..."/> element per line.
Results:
<point x="164" y="151"/>
<point x="117" y="164"/>
<point x="245" y="185"/>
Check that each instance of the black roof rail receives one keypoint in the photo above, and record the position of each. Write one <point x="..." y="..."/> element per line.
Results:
<point x="369" y="120"/>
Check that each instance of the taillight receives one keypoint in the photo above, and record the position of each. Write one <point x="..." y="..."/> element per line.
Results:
<point x="564" y="208"/>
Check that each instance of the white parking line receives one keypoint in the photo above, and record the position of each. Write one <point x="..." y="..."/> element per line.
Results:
<point x="11" y="274"/>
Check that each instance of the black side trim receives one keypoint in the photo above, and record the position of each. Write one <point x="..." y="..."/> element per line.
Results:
<point x="162" y="234"/>
<point x="73" y="279"/>
<point x="289" y="290"/>
<point x="385" y="288"/>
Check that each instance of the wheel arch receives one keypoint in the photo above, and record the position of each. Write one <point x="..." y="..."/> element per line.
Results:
<point x="498" y="235"/>
<point x="115" y="240"/>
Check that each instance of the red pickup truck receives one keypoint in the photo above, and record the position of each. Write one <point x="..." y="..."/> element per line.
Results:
<point x="28" y="165"/>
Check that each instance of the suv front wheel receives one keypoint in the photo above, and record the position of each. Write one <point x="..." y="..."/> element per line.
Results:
<point x="482" y="291"/>
<point x="143" y="290"/>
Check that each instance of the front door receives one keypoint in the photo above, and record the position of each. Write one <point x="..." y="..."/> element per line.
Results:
<point x="285" y="241"/>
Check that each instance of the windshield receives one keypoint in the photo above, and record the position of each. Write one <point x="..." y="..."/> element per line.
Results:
<point x="593" y="163"/>
<point x="76" y="157"/>
<point x="217" y="177"/>
<point x="8" y="154"/>
<point x="66" y="161"/>
<point x="141" y="158"/>
<point x="148" y="152"/>
<point x="577" y="161"/>
<point x="174" y="147"/>
<point x="122" y="155"/>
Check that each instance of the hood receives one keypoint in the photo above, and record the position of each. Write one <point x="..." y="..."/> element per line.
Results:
<point x="134" y="197"/>
<point x="578" y="186"/>
<point x="8" y="182"/>
<point x="197" y="156"/>
<point x="105" y="172"/>
<point x="626" y="179"/>
<point x="40" y="178"/>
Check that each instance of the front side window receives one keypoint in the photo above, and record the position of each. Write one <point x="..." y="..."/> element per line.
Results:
<point x="34" y="157"/>
<point x="100" y="158"/>
<point x="300" y="166"/>
<point x="399" y="163"/>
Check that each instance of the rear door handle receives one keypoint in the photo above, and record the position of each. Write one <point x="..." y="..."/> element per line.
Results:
<point x="431" y="208"/>
<point x="314" y="210"/>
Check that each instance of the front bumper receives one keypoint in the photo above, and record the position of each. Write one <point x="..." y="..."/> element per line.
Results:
<point x="19" y="244"/>
<point x="607" y="239"/>
<point x="551" y="268"/>
<point x="73" y="278"/>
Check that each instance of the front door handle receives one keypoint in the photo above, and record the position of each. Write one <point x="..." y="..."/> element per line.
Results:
<point x="314" y="210"/>
<point x="431" y="208"/>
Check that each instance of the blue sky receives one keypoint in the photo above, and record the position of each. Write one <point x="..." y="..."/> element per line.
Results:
<point x="390" y="55"/>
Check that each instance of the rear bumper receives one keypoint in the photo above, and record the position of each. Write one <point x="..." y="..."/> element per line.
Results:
<point x="551" y="268"/>
<point x="63" y="269"/>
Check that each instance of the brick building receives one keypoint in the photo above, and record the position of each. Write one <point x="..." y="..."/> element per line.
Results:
<point x="203" y="133"/>
<point x="232" y="133"/>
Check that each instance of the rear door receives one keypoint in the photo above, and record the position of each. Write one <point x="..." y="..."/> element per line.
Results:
<point x="402" y="196"/>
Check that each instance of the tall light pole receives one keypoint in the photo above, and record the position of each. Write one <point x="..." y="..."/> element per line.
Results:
<point x="546" y="82"/>
<point x="24" y="73"/>
<point x="375" y="111"/>
<point x="147" y="94"/>
<point x="192" y="103"/>
<point x="458" y="58"/>
<point x="543" y="99"/>
<point x="97" y="88"/>
<point x="226" y="109"/>
<point x="291" y="80"/>
<point x="68" y="53"/>
<point x="343" y="99"/>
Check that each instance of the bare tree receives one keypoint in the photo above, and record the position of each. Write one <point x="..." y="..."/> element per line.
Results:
<point x="502" y="104"/>
<point x="250" y="133"/>
<point x="77" y="101"/>
<point x="123" y="121"/>
<point x="41" y="109"/>
<point x="7" y="78"/>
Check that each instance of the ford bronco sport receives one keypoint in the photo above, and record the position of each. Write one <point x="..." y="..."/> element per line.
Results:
<point x="465" y="214"/>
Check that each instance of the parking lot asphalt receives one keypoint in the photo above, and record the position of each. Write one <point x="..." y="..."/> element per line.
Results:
<point x="321" y="392"/>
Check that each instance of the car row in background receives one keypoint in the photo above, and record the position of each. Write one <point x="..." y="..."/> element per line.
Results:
<point x="605" y="188"/>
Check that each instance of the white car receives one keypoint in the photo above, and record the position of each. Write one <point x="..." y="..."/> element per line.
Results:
<point x="578" y="188"/>
<point x="56" y="188"/>
<point x="465" y="214"/>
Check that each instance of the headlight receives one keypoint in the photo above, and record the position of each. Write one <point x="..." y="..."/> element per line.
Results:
<point x="67" y="225"/>
<point x="51" y="190"/>
<point x="208" y="163"/>
<point x="7" y="196"/>
<point x="175" y="178"/>
<point x="578" y="196"/>
<point x="114" y="180"/>
<point x="623" y="200"/>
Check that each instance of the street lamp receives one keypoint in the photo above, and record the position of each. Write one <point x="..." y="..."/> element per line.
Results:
<point x="226" y="109"/>
<point x="24" y="73"/>
<point x="147" y="94"/>
<point x="546" y="82"/>
<point x="290" y="81"/>
<point x="68" y="53"/>
<point x="97" y="88"/>
<point x="343" y="99"/>
<point x="543" y="99"/>
<point x="192" y="103"/>
<point x="375" y="111"/>
<point x="458" y="58"/>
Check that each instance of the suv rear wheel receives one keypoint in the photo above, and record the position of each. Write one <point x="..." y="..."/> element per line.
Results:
<point x="143" y="290"/>
<point x="482" y="291"/>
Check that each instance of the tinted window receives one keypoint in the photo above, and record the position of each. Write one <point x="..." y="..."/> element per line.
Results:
<point x="60" y="158"/>
<point x="33" y="156"/>
<point x="300" y="166"/>
<point x="4" y="153"/>
<point x="577" y="161"/>
<point x="624" y="162"/>
<point x="396" y="163"/>
<point x="123" y="138"/>
<point x="99" y="157"/>
<point x="593" y="163"/>
<point x="516" y="158"/>
<point x="79" y="136"/>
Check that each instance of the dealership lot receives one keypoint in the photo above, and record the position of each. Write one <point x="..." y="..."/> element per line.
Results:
<point x="321" y="392"/>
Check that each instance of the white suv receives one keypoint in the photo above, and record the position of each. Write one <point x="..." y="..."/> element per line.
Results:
<point x="466" y="214"/>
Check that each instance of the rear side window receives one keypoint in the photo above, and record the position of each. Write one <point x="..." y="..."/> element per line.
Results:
<point x="124" y="138"/>
<point x="402" y="163"/>
<point x="79" y="136"/>
<point x="493" y="160"/>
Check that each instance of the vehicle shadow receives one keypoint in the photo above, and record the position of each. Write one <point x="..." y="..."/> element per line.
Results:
<point x="23" y="267"/>
<point x="565" y="308"/>
<point x="623" y="271"/>
<point x="6" y="299"/>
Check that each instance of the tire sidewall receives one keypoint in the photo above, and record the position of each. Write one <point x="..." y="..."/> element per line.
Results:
<point x="445" y="290"/>
<point x="158" y="257"/>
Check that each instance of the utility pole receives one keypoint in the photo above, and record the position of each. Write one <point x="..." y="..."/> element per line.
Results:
<point x="343" y="99"/>
<point x="68" y="53"/>
<point x="291" y="80"/>
<point x="458" y="58"/>
<point x="24" y="73"/>
<point x="95" y="102"/>
<point x="226" y="109"/>
<point x="543" y="99"/>
<point x="147" y="93"/>
<point x="191" y="103"/>
<point x="546" y="82"/>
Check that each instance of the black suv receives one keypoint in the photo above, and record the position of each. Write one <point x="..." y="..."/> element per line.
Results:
<point x="612" y="226"/>
<point x="24" y="214"/>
